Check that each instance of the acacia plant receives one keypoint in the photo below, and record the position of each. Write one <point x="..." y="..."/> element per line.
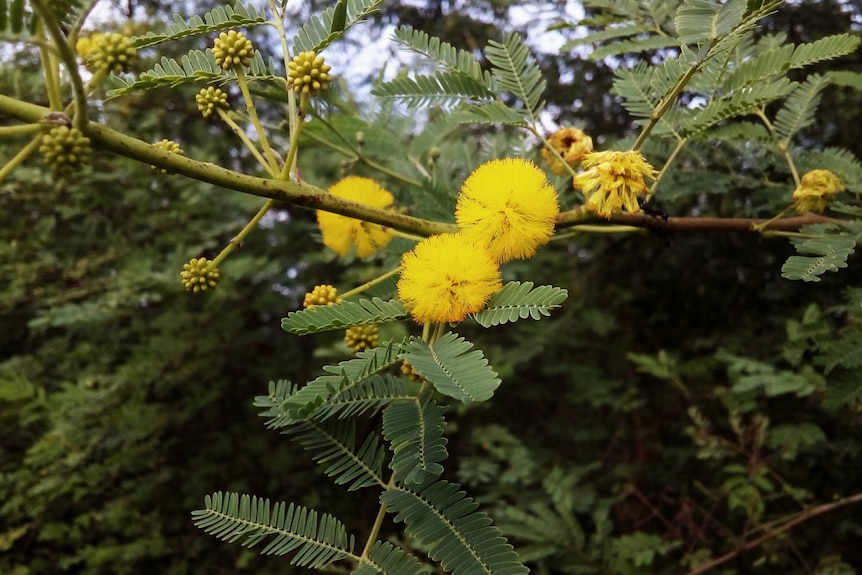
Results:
<point x="443" y="236"/>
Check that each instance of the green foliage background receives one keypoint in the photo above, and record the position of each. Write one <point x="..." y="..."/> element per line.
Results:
<point x="685" y="394"/>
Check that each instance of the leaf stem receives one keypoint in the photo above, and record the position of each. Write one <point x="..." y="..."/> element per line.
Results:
<point x="252" y="114"/>
<point x="6" y="131"/>
<point x="235" y="128"/>
<point x="51" y="70"/>
<point x="370" y="284"/>
<point x="237" y="240"/>
<point x="19" y="158"/>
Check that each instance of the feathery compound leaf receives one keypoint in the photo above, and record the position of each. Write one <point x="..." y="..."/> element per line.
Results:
<point x="415" y="434"/>
<point x="520" y="301"/>
<point x="701" y="21"/>
<point x="197" y="66"/>
<point x="634" y="46"/>
<point x="354" y="387"/>
<point x="846" y="352"/>
<point x="824" y="49"/>
<point x="334" y="445"/>
<point x="341" y="315"/>
<point x="736" y="103"/>
<point x="831" y="251"/>
<point x="443" y="54"/>
<point x="216" y="20"/>
<point x="799" y="109"/>
<point x="516" y="71"/>
<point x="444" y="88"/>
<point x="323" y="30"/>
<point x="448" y="366"/>
<point x="231" y="517"/>
<point x="609" y="33"/>
<point x="444" y="520"/>
<point x="493" y="113"/>
<point x="847" y="79"/>
<point x="389" y="560"/>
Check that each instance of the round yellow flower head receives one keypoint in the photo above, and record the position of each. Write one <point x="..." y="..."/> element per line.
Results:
<point x="109" y="52"/>
<point x="362" y="337"/>
<point x="199" y="275"/>
<point x="815" y="191"/>
<point x="209" y="98"/>
<point x="308" y="73"/>
<point x="342" y="233"/>
<point x="232" y="49"/>
<point x="168" y="146"/>
<point x="321" y="295"/>
<point x="572" y="144"/>
<point x="447" y="277"/>
<point x="613" y="181"/>
<point x="509" y="207"/>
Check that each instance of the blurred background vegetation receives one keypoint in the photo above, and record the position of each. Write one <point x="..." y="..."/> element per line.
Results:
<point x="684" y="401"/>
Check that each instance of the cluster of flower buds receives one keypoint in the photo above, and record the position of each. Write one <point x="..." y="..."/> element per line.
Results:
<point x="199" y="275"/>
<point x="65" y="149"/>
<point x="321" y="295"/>
<point x="308" y="73"/>
<point x="362" y="337"/>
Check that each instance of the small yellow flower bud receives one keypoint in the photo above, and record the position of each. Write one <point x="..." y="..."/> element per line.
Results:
<point x="168" y="146"/>
<point x="321" y="295"/>
<point x="199" y="275"/>
<point x="233" y="49"/>
<point x="362" y="337"/>
<point x="308" y="73"/>
<point x="209" y="98"/>
<point x="65" y="149"/>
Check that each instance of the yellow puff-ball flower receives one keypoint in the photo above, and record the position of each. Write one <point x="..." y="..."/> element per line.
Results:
<point x="815" y="191"/>
<point x="612" y="181"/>
<point x="343" y="234"/>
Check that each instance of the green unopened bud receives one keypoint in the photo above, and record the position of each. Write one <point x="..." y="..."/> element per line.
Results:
<point x="199" y="275"/>
<point x="232" y="49"/>
<point x="209" y="98"/>
<point x="65" y="149"/>
<point x="308" y="73"/>
<point x="110" y="52"/>
<point x="168" y="146"/>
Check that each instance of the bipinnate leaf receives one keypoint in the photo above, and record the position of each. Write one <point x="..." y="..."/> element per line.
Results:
<point x="342" y="315"/>
<point x="218" y="19"/>
<point x="844" y="352"/>
<point x="414" y="431"/>
<point x="443" y="54"/>
<point x="517" y="72"/>
<point x="317" y="540"/>
<point x="386" y="559"/>
<point x="829" y="253"/>
<point x="450" y="366"/>
<point x="196" y="66"/>
<point x="520" y="300"/>
<point x="353" y="387"/>
<point x="443" y="88"/>
<point x="444" y="521"/>
<point x="333" y="444"/>
<point x="799" y="109"/>
<point x="322" y="30"/>
<point x="700" y="21"/>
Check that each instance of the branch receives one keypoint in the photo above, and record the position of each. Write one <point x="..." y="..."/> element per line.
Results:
<point x="296" y="193"/>
<point x="308" y="196"/>
<point x="805" y="515"/>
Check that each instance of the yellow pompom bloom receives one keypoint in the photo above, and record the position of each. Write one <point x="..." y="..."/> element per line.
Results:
<point x="446" y="277"/>
<point x="815" y="191"/>
<point x="509" y="207"/>
<point x="321" y="295"/>
<point x="342" y="233"/>
<point x="613" y="181"/>
<point x="572" y="144"/>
